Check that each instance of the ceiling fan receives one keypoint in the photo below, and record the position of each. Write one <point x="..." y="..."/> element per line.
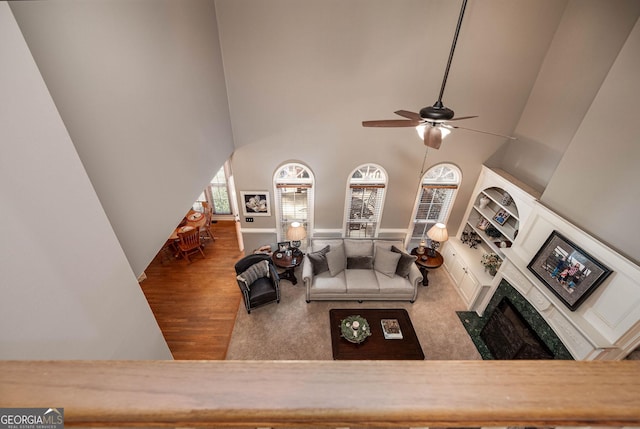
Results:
<point x="434" y="119"/>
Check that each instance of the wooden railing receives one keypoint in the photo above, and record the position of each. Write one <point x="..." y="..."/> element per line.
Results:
<point x="327" y="393"/>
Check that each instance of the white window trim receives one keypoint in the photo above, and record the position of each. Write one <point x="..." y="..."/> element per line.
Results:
<point x="412" y="222"/>
<point x="310" y="181"/>
<point x="364" y="182"/>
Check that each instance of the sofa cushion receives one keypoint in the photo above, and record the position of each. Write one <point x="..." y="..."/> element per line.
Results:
<point x="360" y="263"/>
<point x="326" y="284"/>
<point x="317" y="244"/>
<point x="393" y="285"/>
<point x="254" y="272"/>
<point x="386" y="262"/>
<point x="336" y="260"/>
<point x="319" y="260"/>
<point x="386" y="245"/>
<point x="354" y="248"/>
<point x="362" y="281"/>
<point x="405" y="262"/>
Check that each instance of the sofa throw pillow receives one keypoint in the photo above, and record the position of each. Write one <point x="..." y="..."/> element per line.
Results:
<point x="405" y="262"/>
<point x="353" y="247"/>
<point x="319" y="260"/>
<point x="254" y="272"/>
<point x="360" y="263"/>
<point x="386" y="262"/>
<point x="336" y="260"/>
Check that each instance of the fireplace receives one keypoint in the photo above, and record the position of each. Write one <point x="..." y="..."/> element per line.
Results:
<point x="508" y="335"/>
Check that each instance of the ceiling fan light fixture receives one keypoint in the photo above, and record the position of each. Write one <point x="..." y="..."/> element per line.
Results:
<point x="444" y="131"/>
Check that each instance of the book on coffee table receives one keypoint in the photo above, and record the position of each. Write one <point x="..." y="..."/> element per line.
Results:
<point x="391" y="329"/>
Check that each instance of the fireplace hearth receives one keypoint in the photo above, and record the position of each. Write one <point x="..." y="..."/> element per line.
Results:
<point x="493" y="342"/>
<point x="509" y="336"/>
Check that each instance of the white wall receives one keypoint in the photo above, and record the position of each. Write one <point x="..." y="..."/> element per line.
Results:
<point x="588" y="40"/>
<point x="596" y="182"/>
<point x="303" y="75"/>
<point x="141" y="90"/>
<point x="66" y="289"/>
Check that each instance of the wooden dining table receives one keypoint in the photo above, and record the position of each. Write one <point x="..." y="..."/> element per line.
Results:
<point x="193" y="219"/>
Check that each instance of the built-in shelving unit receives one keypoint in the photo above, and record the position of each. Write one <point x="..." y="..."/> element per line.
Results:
<point x="482" y="219"/>
<point x="496" y="193"/>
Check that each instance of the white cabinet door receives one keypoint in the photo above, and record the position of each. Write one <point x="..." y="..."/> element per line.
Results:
<point x="448" y="255"/>
<point x="457" y="269"/>
<point x="469" y="286"/>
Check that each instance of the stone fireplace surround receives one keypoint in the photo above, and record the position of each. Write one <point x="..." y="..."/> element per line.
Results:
<point x="607" y="325"/>
<point x="474" y="323"/>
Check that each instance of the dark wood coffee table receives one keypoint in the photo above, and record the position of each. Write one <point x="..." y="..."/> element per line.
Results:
<point x="375" y="347"/>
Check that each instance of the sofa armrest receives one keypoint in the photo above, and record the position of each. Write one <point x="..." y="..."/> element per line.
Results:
<point x="307" y="275"/>
<point x="307" y="271"/>
<point x="415" y="276"/>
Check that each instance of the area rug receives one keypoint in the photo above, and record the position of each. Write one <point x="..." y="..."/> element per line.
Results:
<point x="295" y="330"/>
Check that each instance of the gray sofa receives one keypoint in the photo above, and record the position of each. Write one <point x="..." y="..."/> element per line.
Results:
<point x="359" y="269"/>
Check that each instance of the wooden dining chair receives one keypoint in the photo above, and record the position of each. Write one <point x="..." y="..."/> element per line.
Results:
<point x="205" y="230"/>
<point x="189" y="243"/>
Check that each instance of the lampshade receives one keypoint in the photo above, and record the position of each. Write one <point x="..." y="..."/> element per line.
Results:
<point x="444" y="131"/>
<point x="438" y="232"/>
<point x="296" y="232"/>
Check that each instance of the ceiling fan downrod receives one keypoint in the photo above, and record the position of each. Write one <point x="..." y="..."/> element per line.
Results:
<point x="453" y="49"/>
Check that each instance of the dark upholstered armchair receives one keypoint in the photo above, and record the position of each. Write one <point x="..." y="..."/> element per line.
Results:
<point x="258" y="280"/>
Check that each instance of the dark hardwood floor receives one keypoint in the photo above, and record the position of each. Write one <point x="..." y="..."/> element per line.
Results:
<point x="196" y="304"/>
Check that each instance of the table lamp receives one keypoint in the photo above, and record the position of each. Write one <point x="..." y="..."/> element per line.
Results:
<point x="438" y="233"/>
<point x="296" y="233"/>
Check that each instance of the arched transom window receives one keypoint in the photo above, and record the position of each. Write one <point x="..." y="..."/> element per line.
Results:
<point x="435" y="199"/>
<point x="365" y="199"/>
<point x="293" y="190"/>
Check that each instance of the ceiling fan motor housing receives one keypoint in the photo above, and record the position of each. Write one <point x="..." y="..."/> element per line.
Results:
<point x="437" y="112"/>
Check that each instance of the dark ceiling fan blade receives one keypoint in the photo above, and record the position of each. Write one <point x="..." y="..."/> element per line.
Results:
<point x="407" y="114"/>
<point x="478" y="131"/>
<point x="391" y="123"/>
<point x="432" y="137"/>
<point x="462" y="117"/>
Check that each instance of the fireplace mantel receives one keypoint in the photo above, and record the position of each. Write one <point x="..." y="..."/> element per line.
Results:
<point x="607" y="325"/>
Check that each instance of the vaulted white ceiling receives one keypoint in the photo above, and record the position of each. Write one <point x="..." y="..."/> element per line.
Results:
<point x="302" y="67"/>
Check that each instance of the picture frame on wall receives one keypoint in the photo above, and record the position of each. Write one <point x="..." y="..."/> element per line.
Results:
<point x="568" y="271"/>
<point x="255" y="203"/>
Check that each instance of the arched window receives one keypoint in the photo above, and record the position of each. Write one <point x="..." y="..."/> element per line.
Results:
<point x="293" y="190"/>
<point x="365" y="198"/>
<point x="435" y="199"/>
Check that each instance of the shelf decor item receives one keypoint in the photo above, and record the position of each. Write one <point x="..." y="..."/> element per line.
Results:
<point x="501" y="216"/>
<point x="506" y="199"/>
<point x="491" y="263"/>
<point x="484" y="201"/>
<point x="570" y="272"/>
<point x="355" y="329"/>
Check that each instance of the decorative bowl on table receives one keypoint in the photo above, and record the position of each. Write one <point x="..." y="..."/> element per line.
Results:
<point x="195" y="216"/>
<point x="355" y="329"/>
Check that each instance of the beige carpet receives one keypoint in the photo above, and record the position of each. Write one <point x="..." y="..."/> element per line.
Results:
<point x="295" y="330"/>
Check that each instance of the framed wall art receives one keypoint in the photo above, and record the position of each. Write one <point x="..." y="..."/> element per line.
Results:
<point x="255" y="203"/>
<point x="567" y="270"/>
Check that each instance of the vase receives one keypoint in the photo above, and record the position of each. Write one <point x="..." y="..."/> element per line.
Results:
<point x="506" y="199"/>
<point x="484" y="201"/>
<point x="493" y="271"/>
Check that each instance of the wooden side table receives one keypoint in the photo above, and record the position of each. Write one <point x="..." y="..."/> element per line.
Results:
<point x="288" y="263"/>
<point x="431" y="260"/>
